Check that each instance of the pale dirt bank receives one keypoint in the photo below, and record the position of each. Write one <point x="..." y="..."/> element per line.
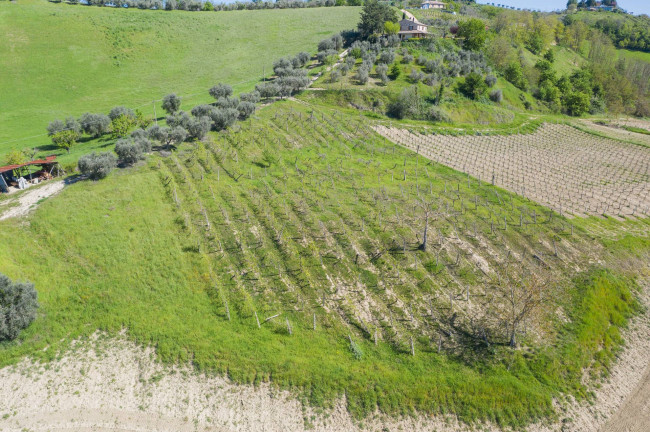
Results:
<point x="114" y="385"/>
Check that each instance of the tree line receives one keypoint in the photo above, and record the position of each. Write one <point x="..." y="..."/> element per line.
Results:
<point x="197" y="5"/>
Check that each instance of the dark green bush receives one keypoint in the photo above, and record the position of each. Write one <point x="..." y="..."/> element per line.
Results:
<point x="18" y="305"/>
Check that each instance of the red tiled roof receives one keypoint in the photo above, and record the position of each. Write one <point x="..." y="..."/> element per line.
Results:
<point x="47" y="160"/>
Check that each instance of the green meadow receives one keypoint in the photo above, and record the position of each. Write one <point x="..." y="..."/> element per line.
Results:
<point x="59" y="60"/>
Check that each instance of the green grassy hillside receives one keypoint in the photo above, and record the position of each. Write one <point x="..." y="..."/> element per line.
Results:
<point x="308" y="215"/>
<point x="60" y="60"/>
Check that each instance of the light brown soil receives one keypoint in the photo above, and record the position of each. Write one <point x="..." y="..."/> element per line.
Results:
<point x="619" y="133"/>
<point x="28" y="199"/>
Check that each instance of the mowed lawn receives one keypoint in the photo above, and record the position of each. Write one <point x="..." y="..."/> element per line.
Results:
<point x="59" y="59"/>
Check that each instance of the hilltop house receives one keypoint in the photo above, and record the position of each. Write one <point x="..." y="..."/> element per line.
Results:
<point x="412" y="28"/>
<point x="432" y="4"/>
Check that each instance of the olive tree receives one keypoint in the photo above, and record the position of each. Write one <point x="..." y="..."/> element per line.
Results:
<point x="171" y="103"/>
<point x="18" y="306"/>
<point x="198" y="128"/>
<point x="96" y="166"/>
<point x="95" y="125"/>
<point x="267" y="90"/>
<point x="119" y="111"/>
<point x="246" y="109"/>
<point x="221" y="91"/>
<point x="128" y="151"/>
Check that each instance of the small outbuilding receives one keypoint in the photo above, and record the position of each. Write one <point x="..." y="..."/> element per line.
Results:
<point x="21" y="175"/>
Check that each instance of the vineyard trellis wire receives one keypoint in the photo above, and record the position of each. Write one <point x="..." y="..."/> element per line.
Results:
<point x="570" y="171"/>
<point x="316" y="217"/>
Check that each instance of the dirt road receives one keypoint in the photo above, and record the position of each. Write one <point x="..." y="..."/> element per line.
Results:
<point x="29" y="199"/>
<point x="634" y="414"/>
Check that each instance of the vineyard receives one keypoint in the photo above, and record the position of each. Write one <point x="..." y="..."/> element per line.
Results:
<point x="341" y="222"/>
<point x="302" y="248"/>
<point x="563" y="168"/>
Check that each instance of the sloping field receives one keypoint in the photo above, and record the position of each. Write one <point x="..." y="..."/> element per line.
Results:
<point x="558" y="166"/>
<point x="59" y="60"/>
<point x="291" y="250"/>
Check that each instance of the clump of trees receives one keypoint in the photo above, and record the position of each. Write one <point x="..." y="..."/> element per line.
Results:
<point x="18" y="306"/>
<point x="206" y="6"/>
<point x="474" y="86"/>
<point x="473" y="34"/>
<point x="374" y="17"/>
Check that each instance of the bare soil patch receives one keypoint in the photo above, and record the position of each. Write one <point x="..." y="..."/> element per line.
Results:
<point x="561" y="167"/>
<point x="29" y="199"/>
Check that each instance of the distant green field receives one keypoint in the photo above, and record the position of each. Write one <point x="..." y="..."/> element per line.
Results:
<point x="637" y="55"/>
<point x="58" y="60"/>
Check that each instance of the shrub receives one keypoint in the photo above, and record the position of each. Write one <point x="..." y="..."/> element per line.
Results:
<point x="490" y="80"/>
<point x="335" y="76"/>
<point x="395" y="71"/>
<point x="202" y="110"/>
<point x="246" y="109"/>
<point x="120" y="111"/>
<point x="577" y="103"/>
<point x="221" y="91"/>
<point x="222" y="118"/>
<point x="496" y="96"/>
<point x="515" y="75"/>
<point x="382" y="72"/>
<point x="268" y="90"/>
<point x="176" y="136"/>
<point x="253" y="97"/>
<point x="95" y="125"/>
<point x="18" y="305"/>
<point x="362" y="76"/>
<point x="97" y="165"/>
<point x="228" y="102"/>
<point x="198" y="128"/>
<point x="435" y="114"/>
<point x="473" y="86"/>
<point x="128" y="151"/>
<point x="416" y="76"/>
<point x="181" y="118"/>
<point x="172" y="103"/>
<point x="404" y="105"/>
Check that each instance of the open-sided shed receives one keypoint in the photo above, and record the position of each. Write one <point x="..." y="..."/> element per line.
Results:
<point x="11" y="174"/>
